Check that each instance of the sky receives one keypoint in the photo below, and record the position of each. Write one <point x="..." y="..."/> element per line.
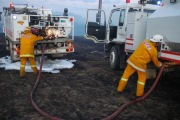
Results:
<point x="74" y="6"/>
<point x="77" y="8"/>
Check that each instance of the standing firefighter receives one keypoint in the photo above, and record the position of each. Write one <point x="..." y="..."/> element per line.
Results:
<point x="28" y="38"/>
<point x="145" y="53"/>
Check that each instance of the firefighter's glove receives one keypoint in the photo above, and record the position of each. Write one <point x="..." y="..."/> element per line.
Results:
<point x="168" y="64"/>
<point x="172" y="63"/>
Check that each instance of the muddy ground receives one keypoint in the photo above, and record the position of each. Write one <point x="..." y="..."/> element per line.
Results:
<point x="85" y="92"/>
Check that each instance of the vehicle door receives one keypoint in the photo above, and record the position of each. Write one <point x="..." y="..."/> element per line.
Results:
<point x="121" y="30"/>
<point x="113" y="24"/>
<point x="95" y="27"/>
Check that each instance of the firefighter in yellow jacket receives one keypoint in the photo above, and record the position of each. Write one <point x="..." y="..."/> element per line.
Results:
<point x="28" y="38"/>
<point x="145" y="53"/>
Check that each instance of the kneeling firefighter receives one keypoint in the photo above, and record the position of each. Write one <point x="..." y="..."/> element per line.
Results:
<point x="28" y="38"/>
<point x="145" y="53"/>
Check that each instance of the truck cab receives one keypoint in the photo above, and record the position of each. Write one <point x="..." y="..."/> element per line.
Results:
<point x="122" y="33"/>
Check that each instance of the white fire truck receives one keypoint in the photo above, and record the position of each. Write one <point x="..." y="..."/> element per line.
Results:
<point x="19" y="16"/>
<point x="130" y="23"/>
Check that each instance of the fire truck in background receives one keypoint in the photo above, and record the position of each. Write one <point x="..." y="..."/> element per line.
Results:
<point x="19" y="16"/>
<point x="130" y="24"/>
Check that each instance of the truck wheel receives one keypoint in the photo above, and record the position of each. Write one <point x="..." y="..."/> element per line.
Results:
<point x="114" y="58"/>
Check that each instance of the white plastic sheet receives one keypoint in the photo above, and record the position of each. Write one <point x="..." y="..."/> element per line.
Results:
<point x="52" y="66"/>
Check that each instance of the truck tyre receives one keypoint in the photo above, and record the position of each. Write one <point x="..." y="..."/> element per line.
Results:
<point x="114" y="58"/>
<point x="117" y="57"/>
<point x="123" y="57"/>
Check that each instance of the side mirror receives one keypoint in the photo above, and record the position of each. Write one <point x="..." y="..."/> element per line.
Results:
<point x="98" y="17"/>
<point x="0" y="15"/>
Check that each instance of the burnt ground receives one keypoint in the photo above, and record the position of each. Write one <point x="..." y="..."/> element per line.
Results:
<point x="85" y="92"/>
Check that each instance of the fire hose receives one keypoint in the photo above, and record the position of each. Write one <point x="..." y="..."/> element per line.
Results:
<point x="117" y="112"/>
<point x="36" y="107"/>
<point x="110" y="117"/>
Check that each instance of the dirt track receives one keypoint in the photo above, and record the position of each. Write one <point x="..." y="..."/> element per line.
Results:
<point x="85" y="92"/>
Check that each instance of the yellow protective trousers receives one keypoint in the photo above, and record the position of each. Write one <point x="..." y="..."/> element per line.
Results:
<point x="140" y="83"/>
<point x="23" y="64"/>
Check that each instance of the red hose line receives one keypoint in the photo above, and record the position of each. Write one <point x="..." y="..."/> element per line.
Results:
<point x="112" y="116"/>
<point x="117" y="112"/>
<point x="36" y="107"/>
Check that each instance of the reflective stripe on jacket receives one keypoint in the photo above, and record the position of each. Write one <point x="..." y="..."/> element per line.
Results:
<point x="27" y="43"/>
<point x="145" y="53"/>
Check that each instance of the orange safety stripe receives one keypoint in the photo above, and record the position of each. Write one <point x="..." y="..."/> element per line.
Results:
<point x="33" y="65"/>
<point x="22" y="66"/>
<point x="123" y="79"/>
<point x="142" y="83"/>
<point x="27" y="55"/>
<point x="134" y="66"/>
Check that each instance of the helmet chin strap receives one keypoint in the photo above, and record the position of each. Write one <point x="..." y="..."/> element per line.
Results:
<point x="154" y="43"/>
<point x="157" y="44"/>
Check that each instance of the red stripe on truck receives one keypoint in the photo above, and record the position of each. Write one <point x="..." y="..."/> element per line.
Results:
<point x="170" y="52"/>
<point x="129" y="39"/>
<point x="169" y="59"/>
<point x="170" y="56"/>
<point x="129" y="43"/>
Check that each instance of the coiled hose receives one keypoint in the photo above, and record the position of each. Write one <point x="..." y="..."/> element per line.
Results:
<point x="117" y="112"/>
<point x="111" y="117"/>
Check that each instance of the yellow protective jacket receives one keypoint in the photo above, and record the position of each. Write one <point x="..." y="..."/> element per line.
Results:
<point x="145" y="53"/>
<point x="27" y="43"/>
